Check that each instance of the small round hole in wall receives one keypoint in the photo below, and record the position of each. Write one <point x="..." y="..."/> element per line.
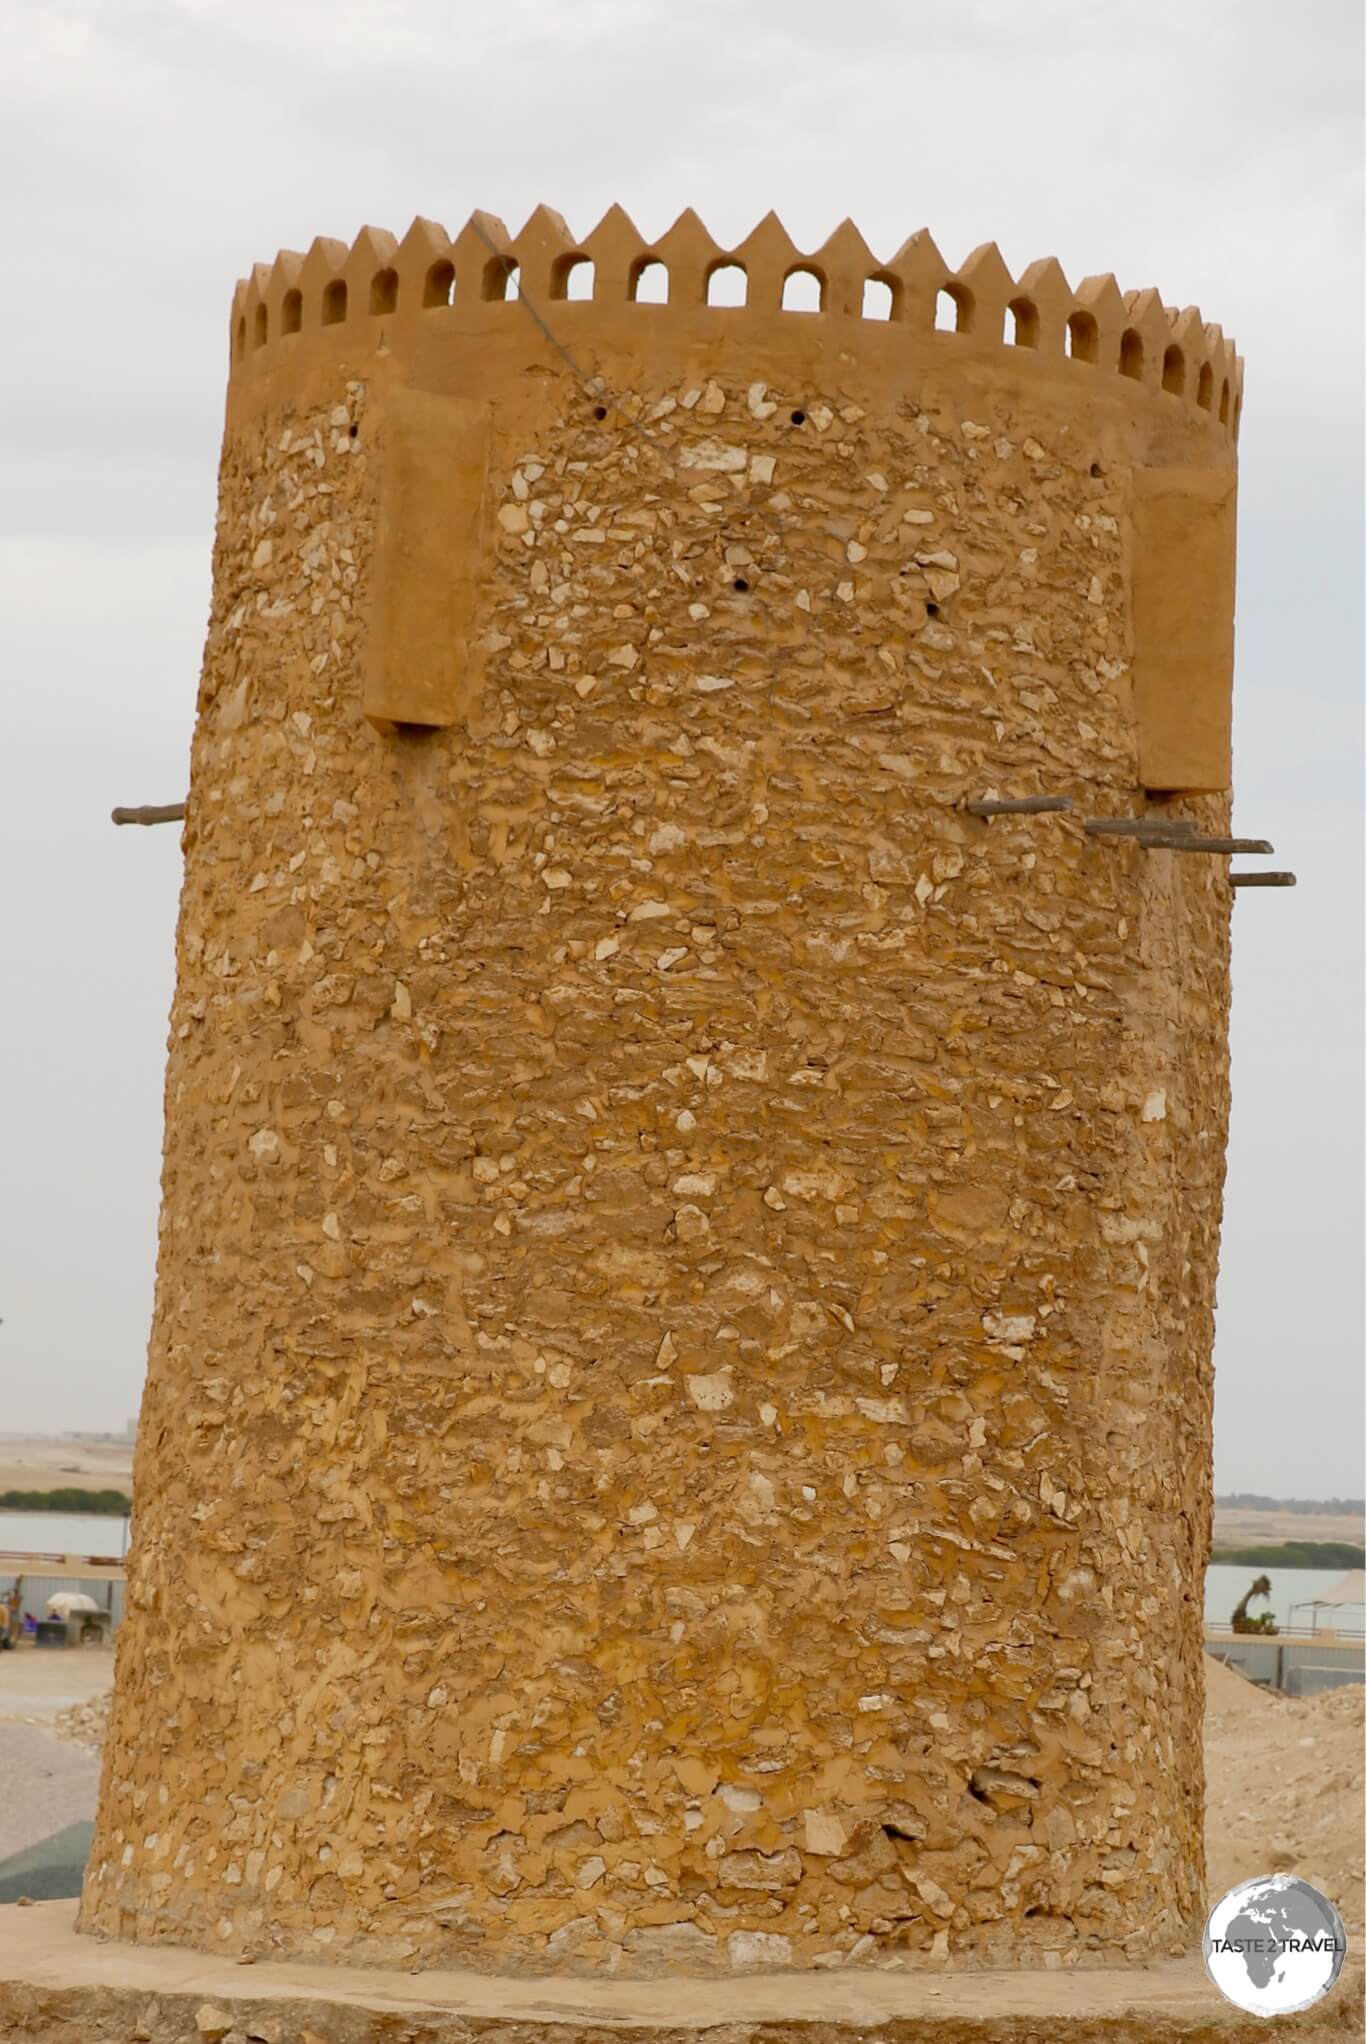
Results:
<point x="799" y="418"/>
<point x="1096" y="469"/>
<point x="599" y="411"/>
<point x="353" y="431"/>
<point x="931" y="610"/>
<point x="739" y="585"/>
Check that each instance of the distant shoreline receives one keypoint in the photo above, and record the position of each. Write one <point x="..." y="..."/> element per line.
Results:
<point x="1290" y="1554"/>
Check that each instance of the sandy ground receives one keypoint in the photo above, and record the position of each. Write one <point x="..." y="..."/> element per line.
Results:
<point x="1285" y="1790"/>
<point x="36" y="1683"/>
<point x="64" y="1465"/>
<point x="48" y="1780"/>
<point x="48" y="1784"/>
<point x="1251" y="1528"/>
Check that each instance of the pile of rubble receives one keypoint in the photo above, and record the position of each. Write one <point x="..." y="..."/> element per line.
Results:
<point x="1284" y="1787"/>
<point x="86" y="1723"/>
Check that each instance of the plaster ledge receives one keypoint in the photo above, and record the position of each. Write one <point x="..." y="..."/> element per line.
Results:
<point x="58" y="1988"/>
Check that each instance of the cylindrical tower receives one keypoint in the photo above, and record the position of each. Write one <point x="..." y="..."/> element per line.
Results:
<point x="679" y="1409"/>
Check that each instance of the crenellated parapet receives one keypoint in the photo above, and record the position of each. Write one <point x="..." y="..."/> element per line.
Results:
<point x="380" y="285"/>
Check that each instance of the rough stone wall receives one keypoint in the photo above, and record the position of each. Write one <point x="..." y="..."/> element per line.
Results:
<point x="679" y="1406"/>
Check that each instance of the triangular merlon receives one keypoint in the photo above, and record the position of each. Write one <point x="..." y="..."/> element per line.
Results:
<point x="1131" y="334"/>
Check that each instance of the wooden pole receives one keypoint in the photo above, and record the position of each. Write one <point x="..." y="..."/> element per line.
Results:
<point x="1223" y="845"/>
<point x="151" y="812"/>
<point x="1018" y="805"/>
<point x="1261" y="880"/>
<point x="1180" y="835"/>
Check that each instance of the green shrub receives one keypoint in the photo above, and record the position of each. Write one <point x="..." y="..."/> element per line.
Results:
<point x="107" y="1503"/>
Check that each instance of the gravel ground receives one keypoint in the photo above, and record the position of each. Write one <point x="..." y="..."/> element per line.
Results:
<point x="1285" y="1788"/>
<point x="48" y="1784"/>
<point x="46" y="1781"/>
<point x="37" y="1682"/>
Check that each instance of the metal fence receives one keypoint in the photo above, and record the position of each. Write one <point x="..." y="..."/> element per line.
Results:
<point x="1299" y="1667"/>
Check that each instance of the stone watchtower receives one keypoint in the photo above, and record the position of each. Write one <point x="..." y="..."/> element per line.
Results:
<point x="679" y="1415"/>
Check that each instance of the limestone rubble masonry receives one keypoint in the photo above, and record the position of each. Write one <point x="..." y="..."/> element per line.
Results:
<point x="679" y="1406"/>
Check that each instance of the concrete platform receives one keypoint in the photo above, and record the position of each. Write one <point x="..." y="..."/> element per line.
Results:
<point x="57" y="1988"/>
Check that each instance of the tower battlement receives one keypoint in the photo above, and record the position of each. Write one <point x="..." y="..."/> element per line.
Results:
<point x="375" y="290"/>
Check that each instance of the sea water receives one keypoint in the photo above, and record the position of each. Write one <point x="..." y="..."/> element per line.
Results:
<point x="63" y="1533"/>
<point x="1226" y="1582"/>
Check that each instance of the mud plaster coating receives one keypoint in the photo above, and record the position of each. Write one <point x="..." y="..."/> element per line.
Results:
<point x="679" y="1403"/>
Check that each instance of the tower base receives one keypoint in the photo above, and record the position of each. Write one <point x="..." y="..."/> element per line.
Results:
<point x="58" y="1988"/>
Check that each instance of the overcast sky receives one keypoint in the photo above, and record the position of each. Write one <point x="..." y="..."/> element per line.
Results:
<point x="149" y="153"/>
